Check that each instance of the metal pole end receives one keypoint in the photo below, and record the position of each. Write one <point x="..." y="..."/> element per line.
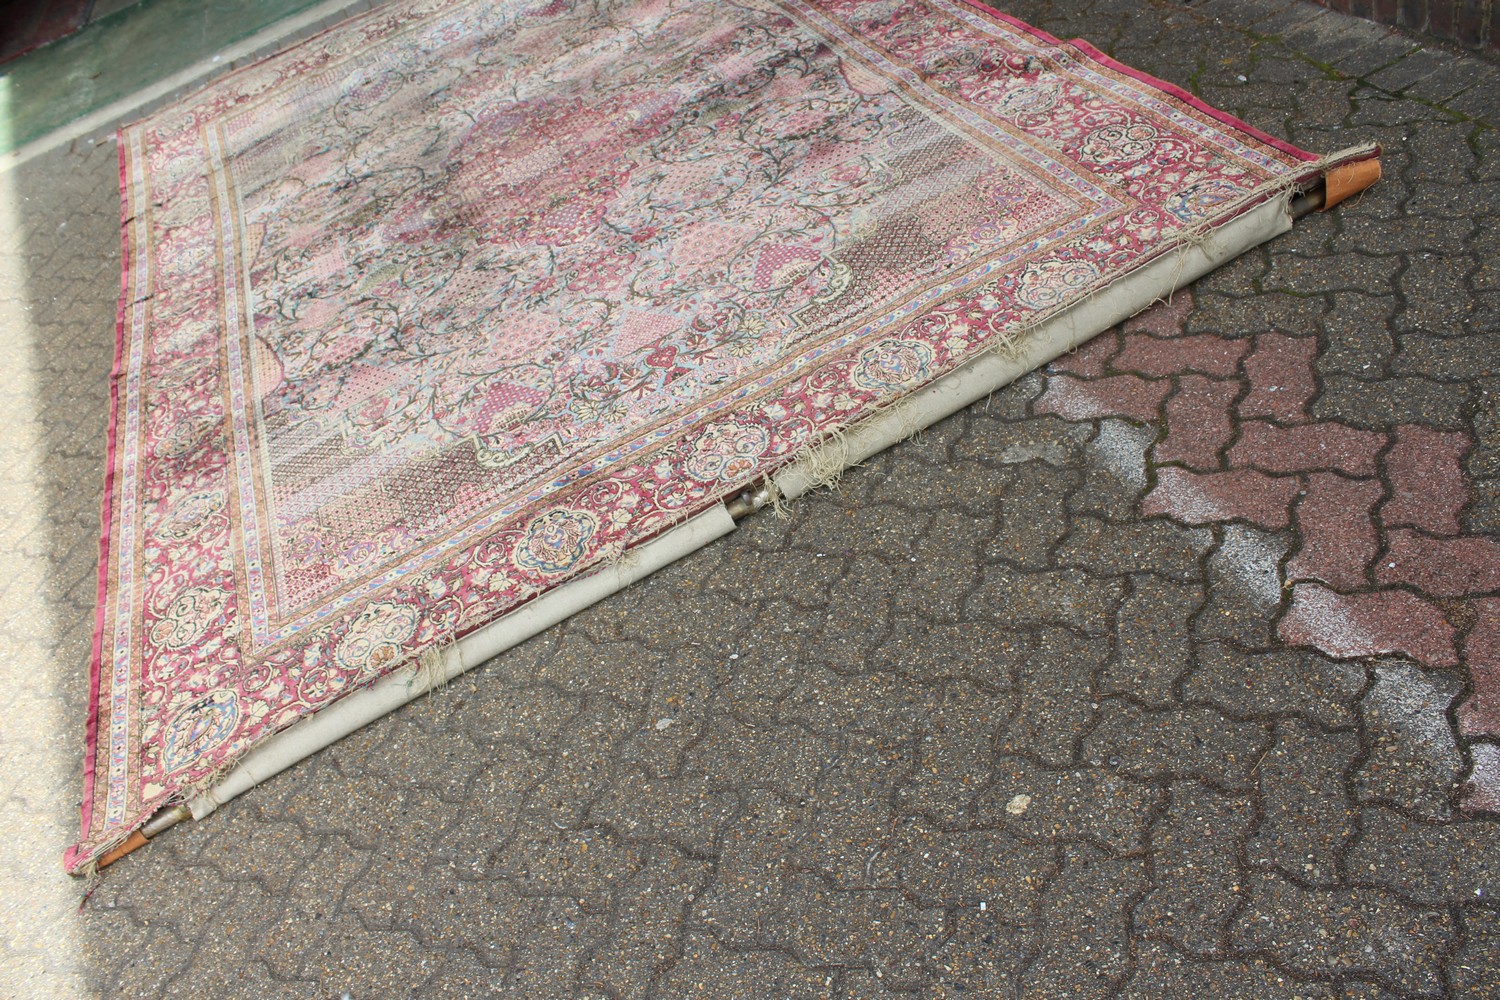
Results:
<point x="160" y="822"/>
<point x="165" y="819"/>
<point x="750" y="500"/>
<point x="1310" y="201"/>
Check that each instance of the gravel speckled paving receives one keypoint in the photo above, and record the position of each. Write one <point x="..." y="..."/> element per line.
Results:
<point x="1171" y="671"/>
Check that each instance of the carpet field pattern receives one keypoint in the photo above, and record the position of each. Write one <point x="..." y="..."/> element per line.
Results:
<point x="459" y="300"/>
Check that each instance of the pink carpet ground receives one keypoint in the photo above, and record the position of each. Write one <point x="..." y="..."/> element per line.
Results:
<point x="453" y="302"/>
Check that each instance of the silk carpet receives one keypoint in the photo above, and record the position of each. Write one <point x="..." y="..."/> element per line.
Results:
<point x="460" y="303"/>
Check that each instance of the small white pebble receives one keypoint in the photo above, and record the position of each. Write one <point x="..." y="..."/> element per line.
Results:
<point x="1018" y="805"/>
<point x="664" y="723"/>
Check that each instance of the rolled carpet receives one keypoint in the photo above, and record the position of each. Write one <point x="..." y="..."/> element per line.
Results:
<point x="459" y="316"/>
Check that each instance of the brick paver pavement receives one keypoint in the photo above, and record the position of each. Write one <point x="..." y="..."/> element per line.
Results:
<point x="1171" y="671"/>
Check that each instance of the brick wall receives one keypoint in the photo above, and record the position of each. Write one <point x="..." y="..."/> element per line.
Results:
<point x="1475" y="23"/>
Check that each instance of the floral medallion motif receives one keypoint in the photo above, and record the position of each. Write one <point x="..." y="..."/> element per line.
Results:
<point x="1119" y="142"/>
<point x="183" y="436"/>
<point x="375" y="639"/>
<point x="1028" y="102"/>
<point x="726" y="452"/>
<point x="189" y="617"/>
<point x="555" y="542"/>
<point x="1048" y="283"/>
<point x="196" y="730"/>
<point x="1199" y="200"/>
<point x="190" y="513"/>
<point x="892" y="364"/>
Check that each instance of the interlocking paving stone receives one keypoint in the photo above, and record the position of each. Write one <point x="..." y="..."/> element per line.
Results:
<point x="1245" y="586"/>
<point x="1479" y="715"/>
<point x="1412" y="758"/>
<point x="1153" y="641"/>
<point x="1084" y="944"/>
<point x="1369" y="624"/>
<point x="1195" y="869"/>
<point x="1359" y="931"/>
<point x="1013" y="712"/>
<point x="1305" y="819"/>
<point x="1432" y="864"/>
<point x="1200" y="423"/>
<point x="1237" y="494"/>
<point x="1283" y="682"/>
<point x="1335" y="518"/>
